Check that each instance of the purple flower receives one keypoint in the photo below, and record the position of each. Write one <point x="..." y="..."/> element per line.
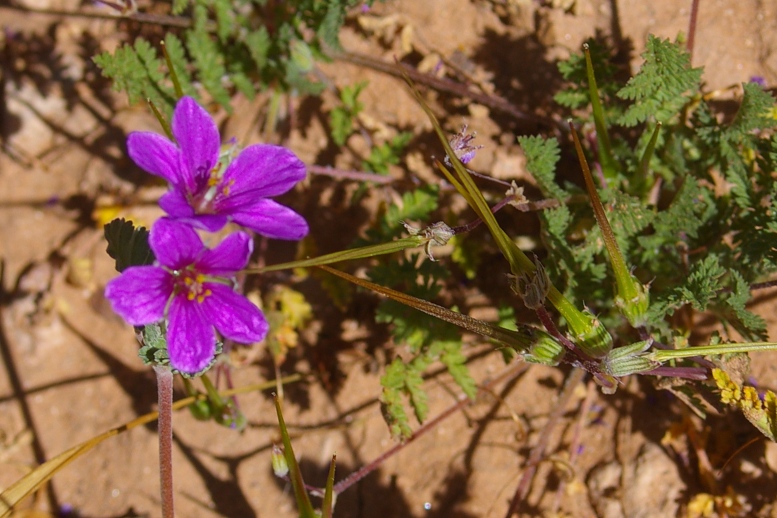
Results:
<point x="460" y="143"/>
<point x="191" y="287"/>
<point x="206" y="192"/>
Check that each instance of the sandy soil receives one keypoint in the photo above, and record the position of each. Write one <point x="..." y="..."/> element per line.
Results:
<point x="70" y="368"/>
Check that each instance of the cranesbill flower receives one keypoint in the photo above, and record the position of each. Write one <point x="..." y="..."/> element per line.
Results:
<point x="192" y="287"/>
<point x="205" y="191"/>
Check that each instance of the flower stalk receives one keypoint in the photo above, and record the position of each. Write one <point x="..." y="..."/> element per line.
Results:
<point x="164" y="377"/>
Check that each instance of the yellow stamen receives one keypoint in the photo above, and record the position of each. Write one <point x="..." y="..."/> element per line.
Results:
<point x="225" y="189"/>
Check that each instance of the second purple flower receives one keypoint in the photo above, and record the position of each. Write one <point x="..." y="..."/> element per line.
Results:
<point x="191" y="287"/>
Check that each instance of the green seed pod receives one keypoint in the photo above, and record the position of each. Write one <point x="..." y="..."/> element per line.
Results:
<point x="629" y="359"/>
<point x="633" y="302"/>
<point x="595" y="341"/>
<point x="545" y="350"/>
<point x="279" y="465"/>
<point x="532" y="287"/>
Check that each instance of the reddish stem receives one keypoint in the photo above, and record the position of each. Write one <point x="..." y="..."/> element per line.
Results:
<point x="692" y="28"/>
<point x="164" y="377"/>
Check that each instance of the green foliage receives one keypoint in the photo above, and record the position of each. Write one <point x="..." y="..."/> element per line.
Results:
<point x="387" y="154"/>
<point x="698" y="222"/>
<point x="427" y="338"/>
<point x="137" y="70"/>
<point x="663" y="85"/>
<point x="241" y="45"/>
<point x="541" y="159"/>
<point x="341" y="117"/>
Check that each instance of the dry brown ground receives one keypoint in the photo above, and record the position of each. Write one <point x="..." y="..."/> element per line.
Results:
<point x="70" y="367"/>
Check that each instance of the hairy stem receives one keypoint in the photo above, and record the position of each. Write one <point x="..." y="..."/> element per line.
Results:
<point x="164" y="378"/>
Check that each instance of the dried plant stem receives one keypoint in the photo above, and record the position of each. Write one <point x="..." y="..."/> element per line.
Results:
<point x="356" y="476"/>
<point x="445" y="85"/>
<point x="155" y="19"/>
<point x="164" y="378"/>
<point x="539" y="450"/>
<point x="349" y="175"/>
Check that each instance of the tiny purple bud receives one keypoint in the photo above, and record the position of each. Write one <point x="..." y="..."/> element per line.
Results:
<point x="759" y="80"/>
<point x="460" y="143"/>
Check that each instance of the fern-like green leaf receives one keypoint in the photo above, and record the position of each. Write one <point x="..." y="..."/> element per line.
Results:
<point x="541" y="158"/>
<point x="663" y="85"/>
<point x="210" y="63"/>
<point x="137" y="70"/>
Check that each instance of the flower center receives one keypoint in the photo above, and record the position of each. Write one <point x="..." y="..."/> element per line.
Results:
<point x="204" y="200"/>
<point x="192" y="284"/>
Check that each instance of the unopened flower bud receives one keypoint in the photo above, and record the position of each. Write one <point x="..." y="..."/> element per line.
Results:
<point x="461" y="147"/>
<point x="279" y="465"/>
<point x="532" y="287"/>
<point x="436" y="235"/>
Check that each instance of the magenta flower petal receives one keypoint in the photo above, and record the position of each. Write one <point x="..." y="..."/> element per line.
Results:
<point x="260" y="171"/>
<point x="230" y="256"/>
<point x="205" y="195"/>
<point x="191" y="341"/>
<point x="155" y="154"/>
<point x="176" y="205"/>
<point x="175" y="244"/>
<point x="233" y="316"/>
<point x="209" y="222"/>
<point x="271" y="219"/>
<point x="139" y="295"/>
<point x="198" y="140"/>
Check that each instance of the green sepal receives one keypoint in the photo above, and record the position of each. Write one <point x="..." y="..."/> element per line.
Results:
<point x="622" y="361"/>
<point x="153" y="350"/>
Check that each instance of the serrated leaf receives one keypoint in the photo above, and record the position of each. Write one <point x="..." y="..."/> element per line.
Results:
<point x="137" y="70"/>
<point x="662" y="86"/>
<point x="341" y="123"/>
<point x="751" y="326"/>
<point x="127" y="245"/>
<point x="541" y="158"/>
<point x="258" y="43"/>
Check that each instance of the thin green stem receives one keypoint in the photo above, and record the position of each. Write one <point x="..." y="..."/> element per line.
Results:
<point x="347" y="255"/>
<point x="663" y="355"/>
<point x="602" y="137"/>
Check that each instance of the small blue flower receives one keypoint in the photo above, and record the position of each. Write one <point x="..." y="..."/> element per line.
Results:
<point x="192" y="287"/>
<point x="205" y="192"/>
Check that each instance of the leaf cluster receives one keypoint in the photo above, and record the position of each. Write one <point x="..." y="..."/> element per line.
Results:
<point x="694" y="215"/>
<point x="243" y="45"/>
